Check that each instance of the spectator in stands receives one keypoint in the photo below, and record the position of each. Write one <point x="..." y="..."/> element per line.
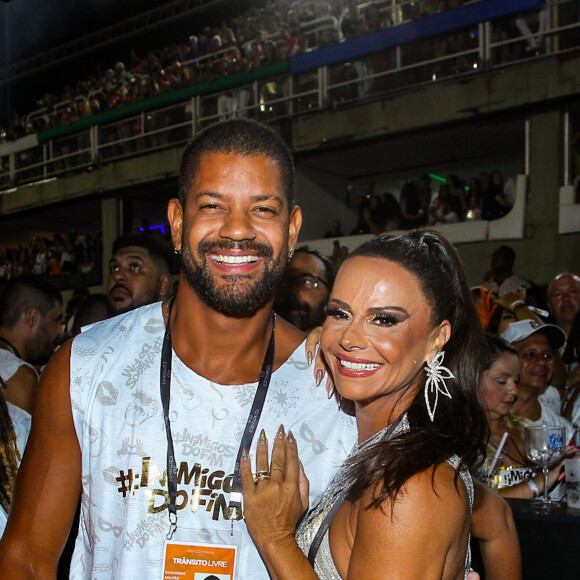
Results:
<point x="305" y="288"/>
<point x="499" y="386"/>
<point x="139" y="272"/>
<point x="495" y="204"/>
<point x="30" y="329"/>
<point x="440" y="211"/>
<point x="501" y="277"/>
<point x="564" y="299"/>
<point x="414" y="207"/>
<point x="456" y="195"/>
<point x="535" y="344"/>
<point x="335" y="230"/>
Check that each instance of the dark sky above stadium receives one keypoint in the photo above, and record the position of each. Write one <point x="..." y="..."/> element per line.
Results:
<point x="28" y="27"/>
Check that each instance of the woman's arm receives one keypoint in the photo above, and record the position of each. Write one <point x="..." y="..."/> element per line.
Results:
<point x="493" y="525"/>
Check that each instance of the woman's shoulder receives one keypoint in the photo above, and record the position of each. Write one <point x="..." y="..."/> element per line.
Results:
<point x="424" y="495"/>
<point x="427" y="521"/>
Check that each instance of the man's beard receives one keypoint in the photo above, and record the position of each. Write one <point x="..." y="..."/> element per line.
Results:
<point x="299" y="314"/>
<point x="233" y="298"/>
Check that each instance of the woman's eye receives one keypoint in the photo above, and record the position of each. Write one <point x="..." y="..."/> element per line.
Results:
<point x="338" y="313"/>
<point x="384" y="320"/>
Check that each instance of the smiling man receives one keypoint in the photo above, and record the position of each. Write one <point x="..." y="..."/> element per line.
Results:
<point x="139" y="272"/>
<point x="147" y="414"/>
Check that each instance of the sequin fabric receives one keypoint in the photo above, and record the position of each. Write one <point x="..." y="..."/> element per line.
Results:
<point x="323" y="563"/>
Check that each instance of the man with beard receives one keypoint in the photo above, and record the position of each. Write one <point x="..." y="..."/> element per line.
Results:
<point x="148" y="413"/>
<point x="30" y="327"/>
<point x="139" y="272"/>
<point x="305" y="288"/>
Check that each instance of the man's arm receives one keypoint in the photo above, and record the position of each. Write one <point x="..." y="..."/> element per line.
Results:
<point x="493" y="525"/>
<point x="49" y="482"/>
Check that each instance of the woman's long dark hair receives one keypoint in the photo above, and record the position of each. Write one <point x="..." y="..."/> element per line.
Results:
<point x="459" y="426"/>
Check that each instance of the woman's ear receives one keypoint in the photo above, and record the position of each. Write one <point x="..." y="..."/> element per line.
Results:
<point x="440" y="337"/>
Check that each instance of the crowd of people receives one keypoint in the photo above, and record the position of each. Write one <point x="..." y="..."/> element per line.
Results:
<point x="254" y="38"/>
<point x="66" y="253"/>
<point x="404" y="349"/>
<point x="486" y="197"/>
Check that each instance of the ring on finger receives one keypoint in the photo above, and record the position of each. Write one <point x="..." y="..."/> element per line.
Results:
<point x="261" y="475"/>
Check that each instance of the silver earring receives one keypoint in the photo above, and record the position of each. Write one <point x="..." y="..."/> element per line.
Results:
<point x="290" y="253"/>
<point x="177" y="251"/>
<point x="435" y="383"/>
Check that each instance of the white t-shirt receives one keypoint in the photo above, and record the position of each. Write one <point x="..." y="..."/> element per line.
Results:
<point x="117" y="411"/>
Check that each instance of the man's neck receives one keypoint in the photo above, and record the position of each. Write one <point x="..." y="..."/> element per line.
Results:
<point x="223" y="349"/>
<point x="501" y="276"/>
<point x="13" y="342"/>
<point x="527" y="404"/>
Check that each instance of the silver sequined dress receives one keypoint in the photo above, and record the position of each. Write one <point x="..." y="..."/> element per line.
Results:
<point x="306" y="532"/>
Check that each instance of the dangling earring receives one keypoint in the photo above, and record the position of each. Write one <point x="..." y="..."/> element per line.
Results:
<point x="339" y="398"/>
<point x="177" y="251"/>
<point x="435" y="383"/>
<point x="290" y="253"/>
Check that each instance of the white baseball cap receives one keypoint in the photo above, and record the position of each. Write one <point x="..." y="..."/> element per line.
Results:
<point x="523" y="328"/>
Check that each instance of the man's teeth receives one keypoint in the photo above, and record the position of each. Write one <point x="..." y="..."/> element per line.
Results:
<point x="352" y="366"/>
<point x="234" y="259"/>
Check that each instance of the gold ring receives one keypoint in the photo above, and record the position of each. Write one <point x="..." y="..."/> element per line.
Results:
<point x="261" y="475"/>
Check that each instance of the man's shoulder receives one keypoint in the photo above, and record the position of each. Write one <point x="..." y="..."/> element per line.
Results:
<point x="124" y="322"/>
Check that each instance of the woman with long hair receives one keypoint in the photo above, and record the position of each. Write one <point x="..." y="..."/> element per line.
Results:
<point x="518" y="477"/>
<point x="403" y="344"/>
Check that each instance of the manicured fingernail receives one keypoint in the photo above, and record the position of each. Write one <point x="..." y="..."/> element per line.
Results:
<point x="262" y="437"/>
<point x="281" y="432"/>
<point x="319" y="375"/>
<point x="330" y="390"/>
<point x="290" y="437"/>
<point x="244" y="455"/>
<point x="309" y="358"/>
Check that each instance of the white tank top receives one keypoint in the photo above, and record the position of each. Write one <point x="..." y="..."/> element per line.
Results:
<point x="119" y="423"/>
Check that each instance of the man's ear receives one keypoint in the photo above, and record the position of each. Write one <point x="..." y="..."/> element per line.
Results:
<point x="294" y="226"/>
<point x="175" y="217"/>
<point x="32" y="317"/>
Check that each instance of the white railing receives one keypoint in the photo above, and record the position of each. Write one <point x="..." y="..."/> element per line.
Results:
<point x="286" y="96"/>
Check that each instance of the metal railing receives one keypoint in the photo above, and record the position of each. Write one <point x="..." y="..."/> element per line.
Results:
<point x="465" y="52"/>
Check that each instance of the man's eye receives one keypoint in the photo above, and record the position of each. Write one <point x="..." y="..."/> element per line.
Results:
<point x="135" y="267"/>
<point x="114" y="268"/>
<point x="264" y="210"/>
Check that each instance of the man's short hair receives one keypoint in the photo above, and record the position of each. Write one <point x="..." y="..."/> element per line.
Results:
<point x="242" y="137"/>
<point x="557" y="277"/>
<point x="23" y="292"/>
<point x="329" y="270"/>
<point x="159" y="252"/>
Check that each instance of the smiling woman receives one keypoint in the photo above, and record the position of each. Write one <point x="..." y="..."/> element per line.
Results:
<point x="402" y="342"/>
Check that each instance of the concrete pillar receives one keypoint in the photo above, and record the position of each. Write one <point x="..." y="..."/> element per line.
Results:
<point x="112" y="224"/>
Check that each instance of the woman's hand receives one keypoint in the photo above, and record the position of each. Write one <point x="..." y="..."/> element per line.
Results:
<point x="320" y="368"/>
<point x="276" y="498"/>
<point x="511" y="298"/>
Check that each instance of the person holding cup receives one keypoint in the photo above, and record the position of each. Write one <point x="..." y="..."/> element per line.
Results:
<point x="511" y="473"/>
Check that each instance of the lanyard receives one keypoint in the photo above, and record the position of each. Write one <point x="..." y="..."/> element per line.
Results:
<point x="247" y="438"/>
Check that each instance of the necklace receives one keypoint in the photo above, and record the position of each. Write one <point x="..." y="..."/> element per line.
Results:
<point x="7" y="345"/>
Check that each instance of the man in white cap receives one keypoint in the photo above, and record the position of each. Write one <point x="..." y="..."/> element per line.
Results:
<point x="536" y="344"/>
